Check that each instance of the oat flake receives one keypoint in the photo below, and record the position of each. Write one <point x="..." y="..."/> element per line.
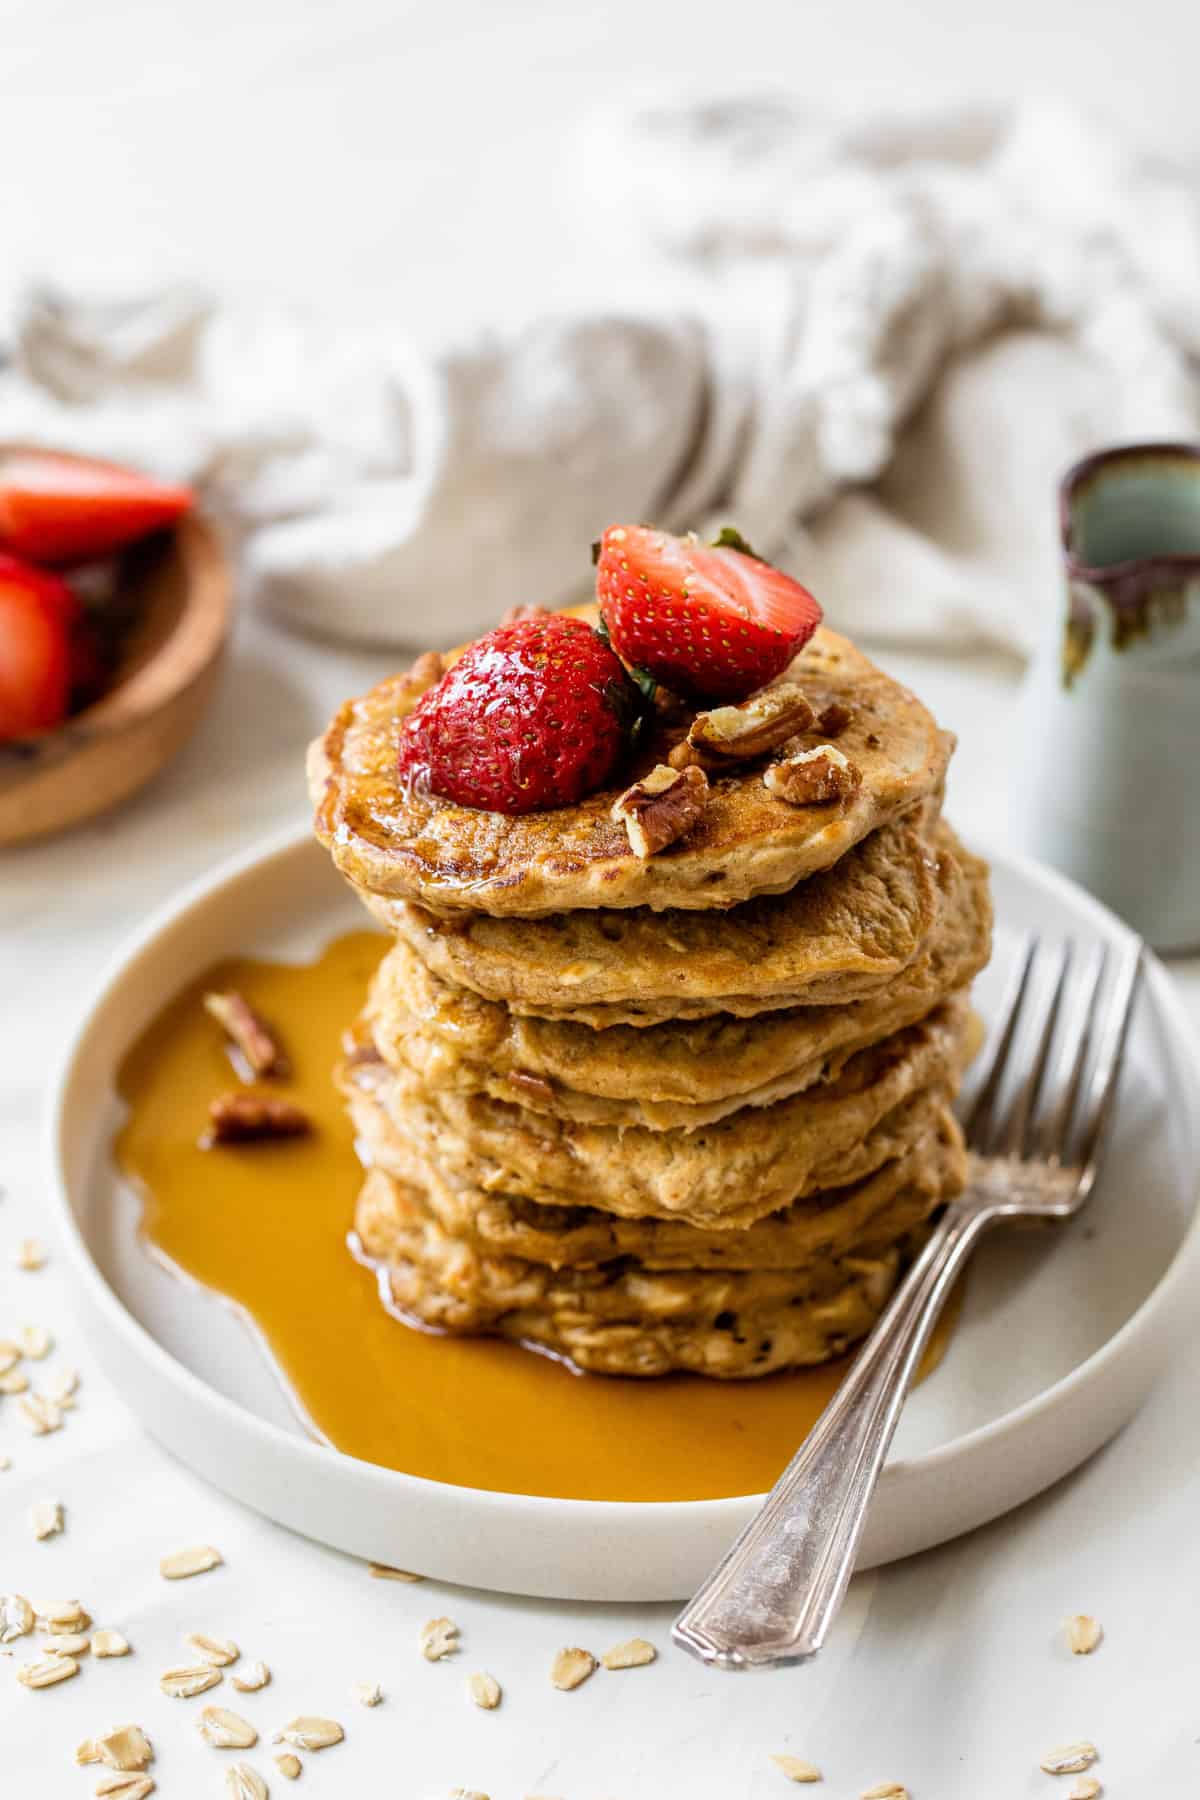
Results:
<point x="1069" y="1759"/>
<point x="289" y="1766"/>
<point x="1083" y="1634"/>
<point x="185" y="1684"/>
<point x="46" y="1517"/>
<point x="796" y="1769"/>
<point x="126" y="1787"/>
<point x="308" y="1733"/>
<point x="244" y="1783"/>
<point x="218" y="1652"/>
<point x="48" y="1671"/>
<point x="226" y="1730"/>
<point x="485" y="1691"/>
<point x="125" y="1747"/>
<point x="634" y="1654"/>
<point x="439" y="1638"/>
<point x="182" y="1563"/>
<point x="571" y="1668"/>
<point x="255" y="1675"/>
<point x="109" y="1643"/>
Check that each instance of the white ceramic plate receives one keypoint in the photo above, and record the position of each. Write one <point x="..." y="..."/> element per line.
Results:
<point x="1060" y="1340"/>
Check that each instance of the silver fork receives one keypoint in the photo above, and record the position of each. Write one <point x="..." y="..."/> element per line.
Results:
<point x="1035" y="1147"/>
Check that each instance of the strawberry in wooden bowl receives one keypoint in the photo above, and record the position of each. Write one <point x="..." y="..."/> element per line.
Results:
<point x="114" y="609"/>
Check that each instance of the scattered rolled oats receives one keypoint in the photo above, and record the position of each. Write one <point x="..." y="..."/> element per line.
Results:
<point x="226" y="1730"/>
<point x="14" y="1382"/>
<point x="61" y="1389"/>
<point x="245" y="1783"/>
<point x="484" y="1691"/>
<point x="367" y="1693"/>
<point x="36" y="1341"/>
<point x="1083" y="1634"/>
<point x="885" y="1790"/>
<point x="125" y="1787"/>
<point x="439" y="1638"/>
<point x="1069" y="1759"/>
<point x="384" y="1572"/>
<point x="796" y="1769"/>
<point x="289" y="1766"/>
<point x="109" y="1643"/>
<point x="10" y="1355"/>
<point x="255" y="1675"/>
<point x="63" y="1615"/>
<point x="570" y="1668"/>
<point x="46" y="1517"/>
<point x="634" y="1654"/>
<point x="16" y="1617"/>
<point x="467" y="1794"/>
<point x="182" y="1563"/>
<point x="124" y="1747"/>
<point x="1086" y="1788"/>
<point x="308" y="1733"/>
<point x="30" y="1254"/>
<point x="220" y="1652"/>
<point x="40" y="1414"/>
<point x="48" y="1671"/>
<point x="185" y="1684"/>
<point x="67" y="1643"/>
<point x="88" y="1752"/>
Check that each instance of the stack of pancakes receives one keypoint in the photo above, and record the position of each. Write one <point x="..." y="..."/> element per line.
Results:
<point x="686" y="1111"/>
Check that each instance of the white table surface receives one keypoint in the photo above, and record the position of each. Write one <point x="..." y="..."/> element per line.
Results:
<point x="381" y="152"/>
<point x="948" y="1672"/>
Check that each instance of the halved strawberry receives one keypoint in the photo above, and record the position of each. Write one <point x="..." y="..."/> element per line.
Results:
<point x="533" y="715"/>
<point x="38" y="613"/>
<point x="65" y="509"/>
<point x="711" y="622"/>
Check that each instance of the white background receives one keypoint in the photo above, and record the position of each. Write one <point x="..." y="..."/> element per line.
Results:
<point x="371" y="156"/>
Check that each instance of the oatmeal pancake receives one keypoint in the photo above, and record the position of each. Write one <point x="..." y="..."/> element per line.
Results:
<point x="835" y="938"/>
<point x="751" y="1163"/>
<point x="620" y="1320"/>
<point x="675" y="1075"/>
<point x="398" y="843"/>
<point x="880" y="1209"/>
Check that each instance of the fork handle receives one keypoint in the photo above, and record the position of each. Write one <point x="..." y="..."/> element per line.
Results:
<point x="774" y="1597"/>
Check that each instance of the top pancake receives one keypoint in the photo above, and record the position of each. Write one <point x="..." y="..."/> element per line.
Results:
<point x="398" y="844"/>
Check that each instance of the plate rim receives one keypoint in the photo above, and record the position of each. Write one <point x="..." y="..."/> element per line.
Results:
<point x="294" y="839"/>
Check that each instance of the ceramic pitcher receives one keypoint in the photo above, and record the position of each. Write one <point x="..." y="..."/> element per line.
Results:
<point x="1110" y="791"/>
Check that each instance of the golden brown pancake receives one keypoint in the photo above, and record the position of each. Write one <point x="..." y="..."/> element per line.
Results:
<point x="749" y="1164"/>
<point x="399" y="844"/>
<point x="838" y="937"/>
<point x="880" y="1209"/>
<point x="675" y="1075"/>
<point x="621" y="1320"/>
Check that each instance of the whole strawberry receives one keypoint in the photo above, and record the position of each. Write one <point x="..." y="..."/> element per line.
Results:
<point x="711" y="622"/>
<point x="533" y="715"/>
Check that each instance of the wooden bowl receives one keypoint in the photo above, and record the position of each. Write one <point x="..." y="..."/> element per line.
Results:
<point x="180" y="587"/>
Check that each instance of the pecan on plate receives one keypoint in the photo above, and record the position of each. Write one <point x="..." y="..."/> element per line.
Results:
<point x="815" y="777"/>
<point x="731" y="734"/>
<point x="249" y="1037"/>
<point x="248" y="1118"/>
<point x="661" y="807"/>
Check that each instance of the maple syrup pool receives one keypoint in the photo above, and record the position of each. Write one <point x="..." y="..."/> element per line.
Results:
<point x="267" y="1226"/>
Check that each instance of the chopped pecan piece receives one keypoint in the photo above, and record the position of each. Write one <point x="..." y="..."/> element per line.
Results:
<point x="833" y="719"/>
<point x="814" y="777"/>
<point x="530" y="1087"/>
<point x="248" y="1035"/>
<point x="245" y="1118"/>
<point x="661" y="807"/>
<point x="737" y="733"/>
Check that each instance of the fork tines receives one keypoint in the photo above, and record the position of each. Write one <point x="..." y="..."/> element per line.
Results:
<point x="1046" y="1090"/>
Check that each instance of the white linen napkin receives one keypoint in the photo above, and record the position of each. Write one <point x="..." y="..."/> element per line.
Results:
<point x="873" y="344"/>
